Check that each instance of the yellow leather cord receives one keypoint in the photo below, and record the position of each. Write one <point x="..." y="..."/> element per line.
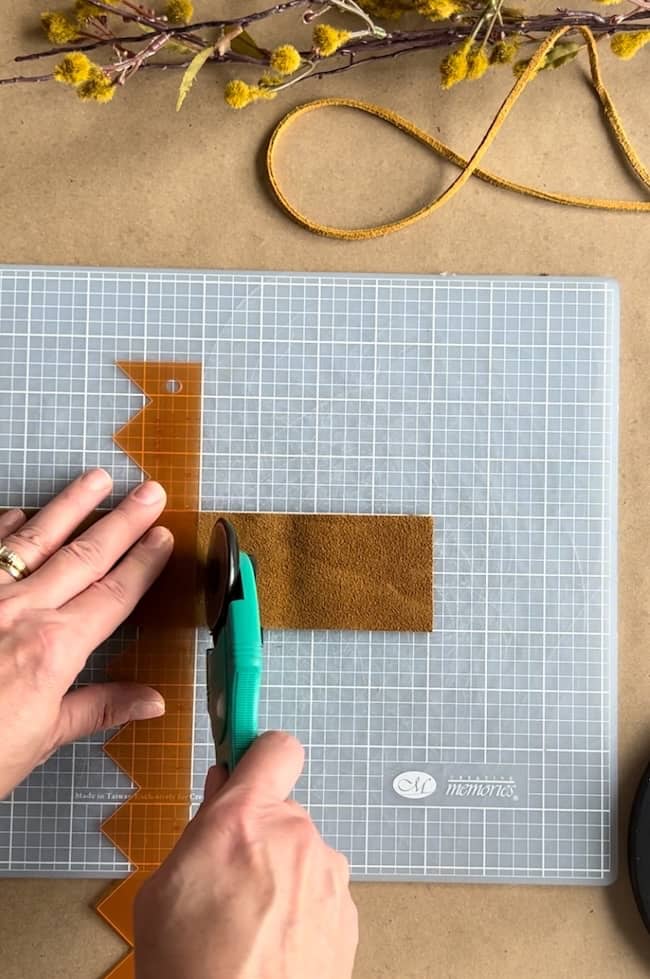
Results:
<point x="468" y="167"/>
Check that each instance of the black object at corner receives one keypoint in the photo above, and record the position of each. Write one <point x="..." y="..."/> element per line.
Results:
<point x="638" y="847"/>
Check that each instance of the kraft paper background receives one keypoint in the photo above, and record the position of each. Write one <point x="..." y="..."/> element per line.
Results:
<point x="135" y="184"/>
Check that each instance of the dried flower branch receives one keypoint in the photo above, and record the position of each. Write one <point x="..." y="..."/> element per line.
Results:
<point x="479" y="35"/>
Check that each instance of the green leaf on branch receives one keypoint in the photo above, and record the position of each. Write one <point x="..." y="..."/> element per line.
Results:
<point x="244" y="44"/>
<point x="560" y="54"/>
<point x="191" y="72"/>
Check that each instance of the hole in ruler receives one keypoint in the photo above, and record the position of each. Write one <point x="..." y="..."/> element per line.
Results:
<point x="173" y="386"/>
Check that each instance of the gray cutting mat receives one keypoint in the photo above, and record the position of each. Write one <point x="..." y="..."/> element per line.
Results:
<point x="484" y="751"/>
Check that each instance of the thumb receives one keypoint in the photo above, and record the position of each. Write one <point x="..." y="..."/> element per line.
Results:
<point x="215" y="780"/>
<point x="103" y="705"/>
<point x="271" y="767"/>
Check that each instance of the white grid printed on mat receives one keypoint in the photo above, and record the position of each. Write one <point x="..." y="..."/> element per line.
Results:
<point x="489" y="404"/>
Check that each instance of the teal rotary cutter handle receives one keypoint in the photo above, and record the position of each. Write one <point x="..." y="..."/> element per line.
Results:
<point x="234" y="663"/>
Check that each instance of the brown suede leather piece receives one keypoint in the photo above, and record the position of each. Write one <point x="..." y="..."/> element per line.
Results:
<point x="321" y="571"/>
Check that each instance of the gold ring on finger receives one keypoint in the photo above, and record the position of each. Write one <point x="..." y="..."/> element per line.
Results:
<point x="12" y="563"/>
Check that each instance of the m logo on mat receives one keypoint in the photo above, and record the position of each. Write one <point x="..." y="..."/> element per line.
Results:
<point x="414" y="785"/>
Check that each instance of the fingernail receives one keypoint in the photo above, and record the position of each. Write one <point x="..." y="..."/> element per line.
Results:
<point x="97" y="479"/>
<point x="143" y="710"/>
<point x="148" y="492"/>
<point x="158" y="537"/>
<point x="13" y="519"/>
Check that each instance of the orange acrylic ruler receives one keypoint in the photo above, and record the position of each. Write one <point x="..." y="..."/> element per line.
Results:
<point x="164" y="440"/>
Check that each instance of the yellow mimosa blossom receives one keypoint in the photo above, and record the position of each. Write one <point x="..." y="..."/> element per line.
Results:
<point x="626" y="45"/>
<point x="239" y="94"/>
<point x="504" y="51"/>
<point x="478" y="63"/>
<point x="438" y="9"/>
<point x="285" y="59"/>
<point x="179" y="11"/>
<point x="327" y="39"/>
<point x="97" y="88"/>
<point x="86" y="8"/>
<point x="454" y="67"/>
<point x="74" y="69"/>
<point x="58" y="28"/>
<point x="269" y="80"/>
<point x="387" y="9"/>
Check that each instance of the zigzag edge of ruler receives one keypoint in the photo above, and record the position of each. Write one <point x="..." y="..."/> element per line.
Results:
<point x="164" y="440"/>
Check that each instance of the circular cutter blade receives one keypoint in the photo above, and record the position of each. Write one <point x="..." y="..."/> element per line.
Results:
<point x="222" y="570"/>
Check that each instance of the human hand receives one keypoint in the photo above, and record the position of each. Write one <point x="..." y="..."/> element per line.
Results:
<point x="250" y="891"/>
<point x="76" y="595"/>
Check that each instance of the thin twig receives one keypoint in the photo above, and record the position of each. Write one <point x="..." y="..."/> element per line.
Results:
<point x="182" y="65"/>
<point x="17" y="79"/>
<point x="135" y="17"/>
<point x="357" y="51"/>
<point x="538" y="24"/>
<point x="125" y="69"/>
<point x="395" y="53"/>
<point x="242" y="22"/>
<point x="494" y="17"/>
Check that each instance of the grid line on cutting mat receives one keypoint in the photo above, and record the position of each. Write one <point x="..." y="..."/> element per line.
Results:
<point x="490" y="404"/>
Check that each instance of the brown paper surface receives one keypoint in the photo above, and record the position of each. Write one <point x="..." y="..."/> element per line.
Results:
<point x="135" y="184"/>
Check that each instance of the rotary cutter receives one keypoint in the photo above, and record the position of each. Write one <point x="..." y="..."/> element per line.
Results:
<point x="234" y="663"/>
